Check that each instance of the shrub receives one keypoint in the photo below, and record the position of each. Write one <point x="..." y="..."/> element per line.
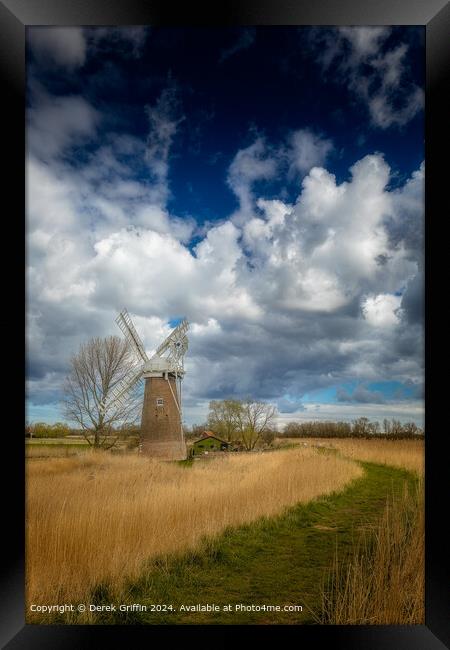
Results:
<point x="45" y="430"/>
<point x="269" y="436"/>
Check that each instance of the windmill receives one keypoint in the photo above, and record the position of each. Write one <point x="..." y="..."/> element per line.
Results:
<point x="161" y="423"/>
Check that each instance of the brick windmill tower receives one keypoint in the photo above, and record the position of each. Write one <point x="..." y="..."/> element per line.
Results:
<point x="161" y="422"/>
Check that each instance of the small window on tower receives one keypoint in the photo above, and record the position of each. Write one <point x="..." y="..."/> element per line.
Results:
<point x="159" y="401"/>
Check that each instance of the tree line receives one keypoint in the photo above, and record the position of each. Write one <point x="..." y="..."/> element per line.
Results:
<point x="61" y="430"/>
<point x="359" y="428"/>
<point x="252" y="423"/>
<point x="45" y="430"/>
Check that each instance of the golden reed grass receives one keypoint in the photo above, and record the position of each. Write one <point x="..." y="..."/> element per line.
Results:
<point x="384" y="583"/>
<point x="97" y="518"/>
<point x="51" y="451"/>
<point x="409" y="454"/>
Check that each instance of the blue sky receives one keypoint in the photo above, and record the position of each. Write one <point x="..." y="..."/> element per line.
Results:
<point x="265" y="183"/>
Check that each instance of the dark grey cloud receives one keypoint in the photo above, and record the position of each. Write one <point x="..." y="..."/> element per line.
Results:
<point x="405" y="225"/>
<point x="413" y="300"/>
<point x="58" y="46"/>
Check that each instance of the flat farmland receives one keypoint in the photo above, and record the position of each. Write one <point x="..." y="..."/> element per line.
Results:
<point x="244" y="526"/>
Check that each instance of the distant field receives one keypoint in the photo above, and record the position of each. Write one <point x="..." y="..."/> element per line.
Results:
<point x="56" y="441"/>
<point x="61" y="447"/>
<point x="54" y="447"/>
<point x="409" y="454"/>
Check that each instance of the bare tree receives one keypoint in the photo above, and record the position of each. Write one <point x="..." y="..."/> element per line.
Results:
<point x="396" y="427"/>
<point x="410" y="429"/>
<point x="374" y="428"/>
<point x="361" y="427"/>
<point x="96" y="369"/>
<point x="255" y="418"/>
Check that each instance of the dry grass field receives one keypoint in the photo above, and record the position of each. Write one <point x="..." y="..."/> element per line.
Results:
<point x="409" y="454"/>
<point x="384" y="584"/>
<point x="53" y="451"/>
<point x="97" y="518"/>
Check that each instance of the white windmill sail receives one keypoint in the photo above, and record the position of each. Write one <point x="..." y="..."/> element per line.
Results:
<point x="173" y="349"/>
<point x="118" y="395"/>
<point x="125" y="323"/>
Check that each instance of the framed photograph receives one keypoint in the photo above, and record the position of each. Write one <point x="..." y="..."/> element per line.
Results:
<point x="227" y="254"/>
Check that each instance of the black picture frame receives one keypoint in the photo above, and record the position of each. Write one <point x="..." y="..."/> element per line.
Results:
<point x="15" y="16"/>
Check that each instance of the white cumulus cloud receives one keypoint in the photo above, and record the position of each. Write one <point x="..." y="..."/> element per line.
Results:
<point x="382" y="310"/>
<point x="307" y="150"/>
<point x="295" y="296"/>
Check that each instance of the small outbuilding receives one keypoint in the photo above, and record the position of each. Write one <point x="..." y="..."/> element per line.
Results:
<point x="209" y="443"/>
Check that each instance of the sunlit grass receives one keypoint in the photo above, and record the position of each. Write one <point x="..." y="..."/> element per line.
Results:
<point x="399" y="453"/>
<point x="97" y="518"/>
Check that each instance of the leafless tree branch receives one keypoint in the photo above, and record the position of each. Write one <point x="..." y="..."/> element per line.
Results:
<point x="96" y="369"/>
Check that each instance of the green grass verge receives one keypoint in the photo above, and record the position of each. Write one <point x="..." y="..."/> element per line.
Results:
<point x="274" y="561"/>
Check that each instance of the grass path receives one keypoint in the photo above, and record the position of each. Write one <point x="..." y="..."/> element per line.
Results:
<point x="275" y="561"/>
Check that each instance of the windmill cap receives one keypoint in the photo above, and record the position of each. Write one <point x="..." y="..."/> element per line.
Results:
<point x="156" y="363"/>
